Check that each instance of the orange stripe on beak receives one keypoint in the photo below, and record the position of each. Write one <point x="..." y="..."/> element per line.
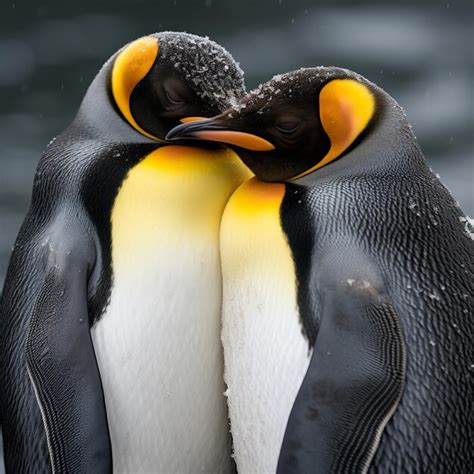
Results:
<point x="241" y="139"/>
<point x="191" y="119"/>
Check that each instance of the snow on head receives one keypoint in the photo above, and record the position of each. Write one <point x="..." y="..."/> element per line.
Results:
<point x="304" y="84"/>
<point x="298" y="81"/>
<point x="206" y="66"/>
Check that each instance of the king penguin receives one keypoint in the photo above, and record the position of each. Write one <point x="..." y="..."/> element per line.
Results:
<point x="110" y="315"/>
<point x="347" y="268"/>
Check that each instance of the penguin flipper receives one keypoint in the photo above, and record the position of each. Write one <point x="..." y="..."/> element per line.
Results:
<point x="352" y="386"/>
<point x="62" y="366"/>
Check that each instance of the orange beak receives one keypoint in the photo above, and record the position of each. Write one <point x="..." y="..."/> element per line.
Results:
<point x="192" y="119"/>
<point x="210" y="130"/>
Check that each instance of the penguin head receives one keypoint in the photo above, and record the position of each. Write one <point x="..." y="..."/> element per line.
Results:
<point x="164" y="79"/>
<point x="294" y="124"/>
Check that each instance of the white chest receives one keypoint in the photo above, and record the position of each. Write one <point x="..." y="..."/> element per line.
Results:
<point x="158" y="344"/>
<point x="266" y="356"/>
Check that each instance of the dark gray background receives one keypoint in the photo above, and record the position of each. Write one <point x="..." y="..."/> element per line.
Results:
<point x="419" y="51"/>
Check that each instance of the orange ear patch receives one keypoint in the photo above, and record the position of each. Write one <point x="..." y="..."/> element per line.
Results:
<point x="345" y="108"/>
<point x="130" y="67"/>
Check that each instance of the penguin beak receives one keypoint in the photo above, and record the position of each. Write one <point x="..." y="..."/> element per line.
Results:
<point x="211" y="130"/>
<point x="192" y="119"/>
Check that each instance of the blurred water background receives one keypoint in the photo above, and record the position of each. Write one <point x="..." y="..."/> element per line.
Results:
<point x="419" y="51"/>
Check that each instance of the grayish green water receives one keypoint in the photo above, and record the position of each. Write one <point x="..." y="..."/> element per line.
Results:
<point x="420" y="52"/>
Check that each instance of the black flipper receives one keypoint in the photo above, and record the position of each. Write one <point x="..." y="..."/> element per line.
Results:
<point x="353" y="384"/>
<point x="63" y="369"/>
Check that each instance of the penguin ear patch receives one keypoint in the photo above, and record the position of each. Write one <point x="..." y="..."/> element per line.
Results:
<point x="345" y="108"/>
<point x="130" y="67"/>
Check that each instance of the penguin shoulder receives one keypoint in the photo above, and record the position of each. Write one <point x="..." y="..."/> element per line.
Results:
<point x="348" y="270"/>
<point x="68" y="243"/>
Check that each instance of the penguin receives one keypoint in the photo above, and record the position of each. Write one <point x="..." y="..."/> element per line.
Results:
<point x="110" y="314"/>
<point x="347" y="269"/>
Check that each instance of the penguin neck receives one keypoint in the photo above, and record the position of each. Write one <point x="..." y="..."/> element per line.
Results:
<point x="388" y="146"/>
<point x="390" y="141"/>
<point x="98" y="116"/>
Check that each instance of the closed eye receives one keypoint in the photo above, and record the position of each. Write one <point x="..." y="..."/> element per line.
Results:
<point x="287" y="127"/>
<point x="173" y="97"/>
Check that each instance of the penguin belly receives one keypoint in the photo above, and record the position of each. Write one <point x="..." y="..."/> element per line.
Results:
<point x="265" y="353"/>
<point x="158" y="342"/>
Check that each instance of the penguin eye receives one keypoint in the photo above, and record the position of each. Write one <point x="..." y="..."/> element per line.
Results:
<point x="173" y="97"/>
<point x="287" y="127"/>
